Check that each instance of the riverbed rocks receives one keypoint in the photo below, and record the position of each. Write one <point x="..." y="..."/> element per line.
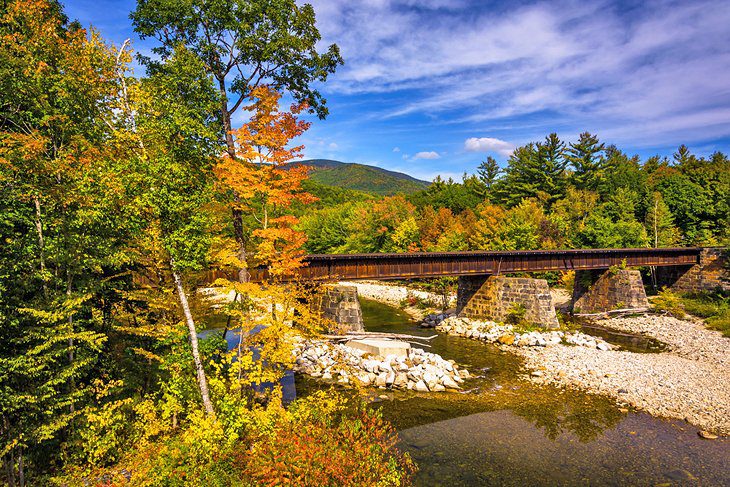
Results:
<point x="508" y="335"/>
<point x="419" y="371"/>
<point x="690" y="381"/>
<point x="433" y="320"/>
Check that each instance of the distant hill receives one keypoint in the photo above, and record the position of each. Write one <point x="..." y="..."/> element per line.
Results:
<point x="361" y="177"/>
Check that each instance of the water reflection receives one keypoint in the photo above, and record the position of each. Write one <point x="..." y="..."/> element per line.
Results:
<point x="512" y="432"/>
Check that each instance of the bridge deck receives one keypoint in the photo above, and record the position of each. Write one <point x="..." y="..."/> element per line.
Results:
<point x="329" y="267"/>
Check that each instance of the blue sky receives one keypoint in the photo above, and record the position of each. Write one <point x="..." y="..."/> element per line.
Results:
<point x="434" y="86"/>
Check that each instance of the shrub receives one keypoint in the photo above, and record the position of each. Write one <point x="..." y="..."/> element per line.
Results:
<point x="320" y="446"/>
<point x="669" y="302"/>
<point x="516" y="315"/>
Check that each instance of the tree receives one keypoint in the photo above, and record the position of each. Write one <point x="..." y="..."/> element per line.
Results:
<point x="535" y="171"/>
<point x="488" y="172"/>
<point x="660" y="223"/>
<point x="587" y="160"/>
<point x="170" y="154"/>
<point x="61" y="230"/>
<point x="264" y="188"/>
<point x="244" y="44"/>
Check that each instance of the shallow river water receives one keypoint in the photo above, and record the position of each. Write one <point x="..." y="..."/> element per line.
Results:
<point x="506" y="431"/>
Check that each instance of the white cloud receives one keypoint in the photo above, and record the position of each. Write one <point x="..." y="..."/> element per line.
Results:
<point x="396" y="149"/>
<point x="332" y="145"/>
<point x="426" y="155"/>
<point x="488" y="144"/>
<point x="590" y="65"/>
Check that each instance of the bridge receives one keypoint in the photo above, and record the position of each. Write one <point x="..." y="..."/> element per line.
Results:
<point x="344" y="267"/>
<point x="605" y="279"/>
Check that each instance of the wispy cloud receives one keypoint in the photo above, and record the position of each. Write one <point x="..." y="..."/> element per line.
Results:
<point x="593" y="65"/>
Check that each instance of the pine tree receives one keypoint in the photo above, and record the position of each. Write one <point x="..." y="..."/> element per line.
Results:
<point x="488" y="172"/>
<point x="535" y="171"/>
<point x="586" y="157"/>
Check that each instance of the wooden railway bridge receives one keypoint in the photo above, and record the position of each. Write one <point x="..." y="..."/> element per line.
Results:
<point x="344" y="267"/>
<point x="485" y="292"/>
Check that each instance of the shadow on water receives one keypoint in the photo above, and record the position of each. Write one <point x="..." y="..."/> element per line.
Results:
<point x="507" y="431"/>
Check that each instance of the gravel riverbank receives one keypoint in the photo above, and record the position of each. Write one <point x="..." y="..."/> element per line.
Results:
<point x="690" y="381"/>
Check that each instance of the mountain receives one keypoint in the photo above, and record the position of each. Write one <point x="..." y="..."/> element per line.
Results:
<point x="361" y="177"/>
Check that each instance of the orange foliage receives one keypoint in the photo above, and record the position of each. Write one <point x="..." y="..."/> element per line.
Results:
<point x="262" y="188"/>
<point x="357" y="451"/>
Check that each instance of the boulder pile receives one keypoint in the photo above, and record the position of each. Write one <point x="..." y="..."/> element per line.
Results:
<point x="503" y="334"/>
<point x="420" y="371"/>
<point x="432" y="320"/>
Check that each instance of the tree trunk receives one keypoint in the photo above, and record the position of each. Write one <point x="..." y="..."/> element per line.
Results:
<point x="238" y="232"/>
<point x="41" y="243"/>
<point x="21" y="470"/>
<point x="72" y="382"/>
<point x="202" y="381"/>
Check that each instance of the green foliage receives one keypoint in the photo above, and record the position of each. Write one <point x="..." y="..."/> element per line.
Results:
<point x="516" y="315"/>
<point x="240" y="41"/>
<point x="669" y="302"/>
<point x="714" y="308"/>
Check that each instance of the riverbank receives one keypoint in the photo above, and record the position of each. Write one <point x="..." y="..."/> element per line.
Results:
<point x="396" y="295"/>
<point x="690" y="380"/>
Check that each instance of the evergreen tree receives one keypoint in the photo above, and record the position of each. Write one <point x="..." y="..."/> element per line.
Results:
<point x="488" y="172"/>
<point x="586" y="158"/>
<point x="535" y="171"/>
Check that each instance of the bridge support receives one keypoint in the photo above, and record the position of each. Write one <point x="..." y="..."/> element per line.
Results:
<point x="495" y="297"/>
<point x="340" y="304"/>
<point x="710" y="273"/>
<point x="599" y="291"/>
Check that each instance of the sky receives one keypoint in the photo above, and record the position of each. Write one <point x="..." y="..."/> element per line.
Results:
<point x="433" y="87"/>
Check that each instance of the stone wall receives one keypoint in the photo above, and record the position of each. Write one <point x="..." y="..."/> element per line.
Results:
<point x="492" y="297"/>
<point x="340" y="304"/>
<point x="598" y="291"/>
<point x="709" y="274"/>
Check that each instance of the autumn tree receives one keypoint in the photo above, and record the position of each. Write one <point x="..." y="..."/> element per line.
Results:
<point x="243" y="45"/>
<point x="170" y="135"/>
<point x="61" y="225"/>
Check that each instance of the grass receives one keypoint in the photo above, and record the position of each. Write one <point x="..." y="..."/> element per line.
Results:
<point x="713" y="308"/>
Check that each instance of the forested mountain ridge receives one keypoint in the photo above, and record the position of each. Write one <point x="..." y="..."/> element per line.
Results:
<point x="361" y="177"/>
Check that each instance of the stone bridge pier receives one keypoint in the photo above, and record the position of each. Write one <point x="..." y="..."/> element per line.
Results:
<point x="710" y="273"/>
<point x="494" y="298"/>
<point x="341" y="305"/>
<point x="596" y="291"/>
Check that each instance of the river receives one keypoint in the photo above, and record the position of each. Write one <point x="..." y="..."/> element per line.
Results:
<point x="508" y="431"/>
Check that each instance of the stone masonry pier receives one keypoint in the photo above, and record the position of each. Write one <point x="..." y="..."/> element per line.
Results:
<point x="711" y="272"/>
<point x="494" y="297"/>
<point x="599" y="291"/>
<point x="340" y="304"/>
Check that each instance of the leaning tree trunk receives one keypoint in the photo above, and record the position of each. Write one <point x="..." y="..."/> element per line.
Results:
<point x="202" y="381"/>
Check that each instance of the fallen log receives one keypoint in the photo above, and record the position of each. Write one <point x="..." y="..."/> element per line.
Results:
<point x="612" y="312"/>
<point x="358" y="335"/>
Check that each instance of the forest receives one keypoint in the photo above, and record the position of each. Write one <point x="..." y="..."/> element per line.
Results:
<point x="550" y="195"/>
<point x="119" y="192"/>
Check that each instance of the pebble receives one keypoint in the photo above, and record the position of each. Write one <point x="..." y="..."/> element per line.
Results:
<point x="690" y="380"/>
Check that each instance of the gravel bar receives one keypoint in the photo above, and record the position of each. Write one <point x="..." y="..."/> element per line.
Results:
<point x="690" y="381"/>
